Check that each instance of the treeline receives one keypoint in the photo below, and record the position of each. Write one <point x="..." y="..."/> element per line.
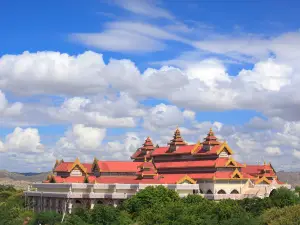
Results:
<point x="158" y="205"/>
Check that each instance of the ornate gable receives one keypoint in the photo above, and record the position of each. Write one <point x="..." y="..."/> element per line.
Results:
<point x="186" y="179"/>
<point x="263" y="180"/>
<point x="236" y="174"/>
<point x="78" y="167"/>
<point x="226" y="148"/>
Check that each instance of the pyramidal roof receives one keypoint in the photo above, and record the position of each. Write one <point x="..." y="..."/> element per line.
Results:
<point x="177" y="139"/>
<point x="148" y="145"/>
<point x="211" y="139"/>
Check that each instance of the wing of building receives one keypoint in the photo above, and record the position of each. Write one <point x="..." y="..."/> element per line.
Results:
<point x="206" y="168"/>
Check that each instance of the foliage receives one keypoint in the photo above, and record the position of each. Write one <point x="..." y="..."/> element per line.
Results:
<point x="49" y="218"/>
<point x="159" y="205"/>
<point x="74" y="220"/>
<point x="255" y="206"/>
<point x="297" y="189"/>
<point x="287" y="215"/>
<point x="284" y="197"/>
<point x="150" y="197"/>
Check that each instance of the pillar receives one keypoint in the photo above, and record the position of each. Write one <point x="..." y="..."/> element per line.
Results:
<point x="56" y="205"/>
<point x="33" y="203"/>
<point x="92" y="203"/>
<point x="70" y="206"/>
<point x="115" y="203"/>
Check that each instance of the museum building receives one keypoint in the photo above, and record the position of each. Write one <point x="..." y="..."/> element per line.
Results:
<point x="206" y="168"/>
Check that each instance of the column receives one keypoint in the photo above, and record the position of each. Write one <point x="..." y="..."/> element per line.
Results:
<point x="56" y="205"/>
<point x="92" y="203"/>
<point x="115" y="203"/>
<point x="70" y="206"/>
<point x="33" y="203"/>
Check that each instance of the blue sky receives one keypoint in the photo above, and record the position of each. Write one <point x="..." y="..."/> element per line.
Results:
<point x="236" y="59"/>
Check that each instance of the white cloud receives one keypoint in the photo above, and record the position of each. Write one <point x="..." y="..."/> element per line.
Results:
<point x="208" y="71"/>
<point x="23" y="140"/>
<point x="189" y="114"/>
<point x="99" y="111"/>
<point x="7" y="109"/>
<point x="2" y="149"/>
<point x="52" y="73"/>
<point x="273" y="150"/>
<point x="163" y="116"/>
<point x="124" y="149"/>
<point x="82" y="137"/>
<point x="136" y="37"/>
<point x="110" y="40"/>
<point x="267" y="75"/>
<point x="296" y="153"/>
<point x="145" y="8"/>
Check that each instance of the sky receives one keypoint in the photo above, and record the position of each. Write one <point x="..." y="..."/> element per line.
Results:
<point x="95" y="78"/>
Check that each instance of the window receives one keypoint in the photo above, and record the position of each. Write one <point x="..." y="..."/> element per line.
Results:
<point x="209" y="191"/>
<point x="234" y="192"/>
<point x="221" y="191"/>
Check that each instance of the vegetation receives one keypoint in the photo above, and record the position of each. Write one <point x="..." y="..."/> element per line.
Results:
<point x="158" y="205"/>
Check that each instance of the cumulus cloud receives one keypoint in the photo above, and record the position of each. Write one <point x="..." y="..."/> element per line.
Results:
<point x="52" y="73"/>
<point x="125" y="148"/>
<point x="189" y="114"/>
<point x="296" y="153"/>
<point x="163" y="116"/>
<point x="7" y="109"/>
<point x="98" y="111"/>
<point x="273" y="150"/>
<point x="82" y="138"/>
<point x="23" y="140"/>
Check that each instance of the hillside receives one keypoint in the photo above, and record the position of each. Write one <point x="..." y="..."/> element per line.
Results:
<point x="19" y="180"/>
<point x="292" y="178"/>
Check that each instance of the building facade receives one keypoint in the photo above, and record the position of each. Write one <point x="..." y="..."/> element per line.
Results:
<point x="206" y="168"/>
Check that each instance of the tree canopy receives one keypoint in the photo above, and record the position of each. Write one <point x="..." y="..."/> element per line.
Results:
<point x="159" y="205"/>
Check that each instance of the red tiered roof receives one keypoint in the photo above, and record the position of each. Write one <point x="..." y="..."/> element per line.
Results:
<point x="210" y="139"/>
<point x="147" y="168"/>
<point x="259" y="170"/>
<point x="144" y="170"/>
<point x="118" y="166"/>
<point x="177" y="139"/>
<point x="147" y="148"/>
<point x="186" y="149"/>
<point x="219" y="162"/>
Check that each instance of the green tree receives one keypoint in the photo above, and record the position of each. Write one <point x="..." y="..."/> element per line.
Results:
<point x="282" y="197"/>
<point x="255" y="206"/>
<point x="282" y="216"/>
<point x="149" y="197"/>
<point x="49" y="218"/>
<point x="297" y="189"/>
<point x="74" y="220"/>
<point x="104" y="215"/>
<point x="194" y="199"/>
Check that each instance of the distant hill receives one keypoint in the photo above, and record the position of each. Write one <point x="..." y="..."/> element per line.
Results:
<point x="20" y="180"/>
<point x="292" y="178"/>
<point x="31" y="177"/>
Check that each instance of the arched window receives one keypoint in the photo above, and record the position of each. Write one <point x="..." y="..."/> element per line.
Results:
<point x="221" y="191"/>
<point x="99" y="202"/>
<point x="209" y="191"/>
<point x="234" y="191"/>
<point x="272" y="192"/>
<point x="201" y="192"/>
